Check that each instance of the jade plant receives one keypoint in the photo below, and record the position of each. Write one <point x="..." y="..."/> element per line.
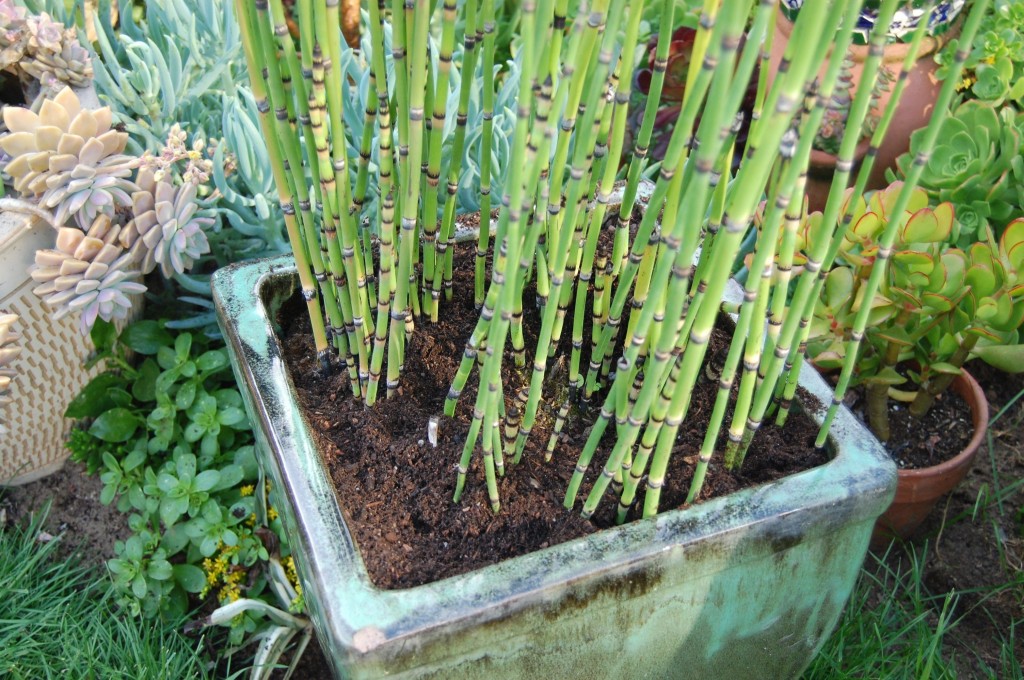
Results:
<point x="936" y="306"/>
<point x="978" y="166"/>
<point x="369" y="278"/>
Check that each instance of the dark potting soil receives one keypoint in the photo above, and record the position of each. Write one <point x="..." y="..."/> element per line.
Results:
<point x="942" y="433"/>
<point x="915" y="443"/>
<point x="395" y="489"/>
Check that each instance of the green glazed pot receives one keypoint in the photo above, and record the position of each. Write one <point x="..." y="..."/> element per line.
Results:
<point x="743" y="586"/>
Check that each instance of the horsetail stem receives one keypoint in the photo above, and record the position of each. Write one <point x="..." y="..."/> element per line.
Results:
<point x="887" y="237"/>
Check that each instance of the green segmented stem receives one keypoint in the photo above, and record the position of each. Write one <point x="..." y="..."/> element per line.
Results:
<point x="763" y="149"/>
<point x="643" y="140"/>
<point x="570" y="89"/>
<point x="670" y="279"/>
<point x="443" y="261"/>
<point x="433" y="173"/>
<point x="885" y="242"/>
<point x="506" y="269"/>
<point x="486" y="135"/>
<point x="774" y="362"/>
<point x="386" y="231"/>
<point x="255" y="60"/>
<point x="604" y="189"/>
<point x="793" y="363"/>
<point x="787" y="191"/>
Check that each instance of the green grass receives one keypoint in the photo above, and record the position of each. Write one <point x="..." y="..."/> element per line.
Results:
<point x="58" y="619"/>
<point x="890" y="629"/>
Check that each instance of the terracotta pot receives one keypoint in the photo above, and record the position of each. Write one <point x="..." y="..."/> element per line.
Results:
<point x="917" y="491"/>
<point x="914" y="110"/>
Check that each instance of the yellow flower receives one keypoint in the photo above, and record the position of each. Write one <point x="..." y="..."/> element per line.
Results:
<point x="966" y="83"/>
<point x="272" y="513"/>
<point x="252" y="520"/>
<point x="247" y="489"/>
<point x="229" y="592"/>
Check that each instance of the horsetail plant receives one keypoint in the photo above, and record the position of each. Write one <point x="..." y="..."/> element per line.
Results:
<point x="651" y="283"/>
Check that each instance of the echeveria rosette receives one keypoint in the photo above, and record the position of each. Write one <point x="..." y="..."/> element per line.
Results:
<point x="167" y="229"/>
<point x="994" y="70"/>
<point x="87" y="272"/>
<point x="68" y="158"/>
<point x="977" y="166"/>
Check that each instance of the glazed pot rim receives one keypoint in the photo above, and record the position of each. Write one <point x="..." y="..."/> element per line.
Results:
<point x="856" y="485"/>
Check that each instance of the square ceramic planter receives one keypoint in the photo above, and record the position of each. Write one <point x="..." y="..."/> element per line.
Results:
<point x="743" y="586"/>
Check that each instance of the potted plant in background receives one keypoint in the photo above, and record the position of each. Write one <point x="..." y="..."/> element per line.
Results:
<point x="922" y="82"/>
<point x="701" y="586"/>
<point x="976" y="168"/>
<point x="937" y="306"/>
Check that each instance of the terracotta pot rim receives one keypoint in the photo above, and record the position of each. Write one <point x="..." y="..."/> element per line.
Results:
<point x="975" y="398"/>
<point x="894" y="51"/>
<point x="823" y="160"/>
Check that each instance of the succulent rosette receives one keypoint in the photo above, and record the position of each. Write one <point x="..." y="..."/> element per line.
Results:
<point x="71" y="159"/>
<point x="88" y="272"/>
<point x="42" y="48"/>
<point x="167" y="229"/>
<point x="977" y="166"/>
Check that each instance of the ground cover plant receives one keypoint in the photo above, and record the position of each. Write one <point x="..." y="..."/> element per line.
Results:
<point x="59" y="617"/>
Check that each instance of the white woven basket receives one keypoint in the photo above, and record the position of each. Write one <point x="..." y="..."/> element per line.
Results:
<point x="50" y="369"/>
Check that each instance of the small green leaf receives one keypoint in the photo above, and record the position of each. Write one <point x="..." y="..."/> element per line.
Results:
<point x="206" y="480"/>
<point x="944" y="367"/>
<point x="171" y="509"/>
<point x="231" y="416"/>
<point x="211" y="361"/>
<point x="116" y="425"/>
<point x="93" y="399"/>
<point x="103" y="335"/>
<point x="186" y="395"/>
<point x="139" y="587"/>
<point x="144" y="387"/>
<point x="159" y="570"/>
<point x="146" y="337"/>
<point x="189" y="577"/>
<point x="182" y="346"/>
<point x="120" y="397"/>
<point x="166" y="358"/>
<point x="174" y="540"/>
<point x="1009" y="358"/>
<point x="133" y="549"/>
<point x="230" y="476"/>
<point x="107" y="494"/>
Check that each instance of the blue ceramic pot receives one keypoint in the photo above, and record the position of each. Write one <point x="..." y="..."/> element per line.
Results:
<point x="743" y="586"/>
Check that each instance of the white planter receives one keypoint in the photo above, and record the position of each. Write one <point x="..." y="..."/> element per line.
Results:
<point x="50" y="369"/>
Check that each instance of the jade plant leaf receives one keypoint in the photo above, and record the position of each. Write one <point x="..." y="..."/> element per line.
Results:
<point x="1009" y="358"/>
